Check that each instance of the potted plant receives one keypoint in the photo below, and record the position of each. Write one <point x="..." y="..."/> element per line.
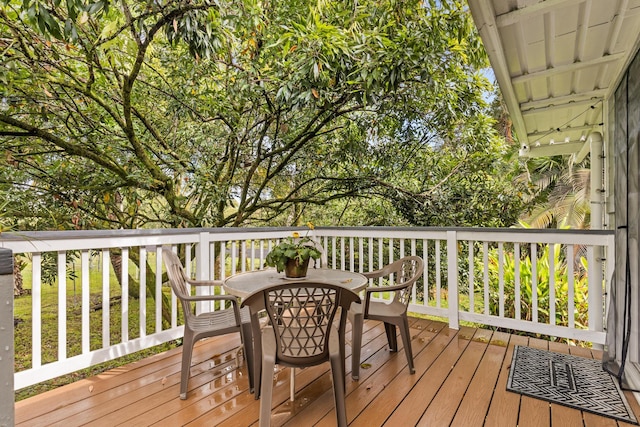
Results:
<point x="292" y="254"/>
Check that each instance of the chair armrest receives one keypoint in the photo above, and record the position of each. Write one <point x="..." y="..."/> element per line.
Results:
<point x="374" y="274"/>
<point x="371" y="289"/>
<point x="398" y="287"/>
<point x="231" y="298"/>
<point x="193" y="282"/>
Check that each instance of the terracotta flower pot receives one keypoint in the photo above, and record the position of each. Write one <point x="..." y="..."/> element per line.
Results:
<point x="294" y="269"/>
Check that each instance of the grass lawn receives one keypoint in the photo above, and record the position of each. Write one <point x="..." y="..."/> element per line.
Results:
<point x="49" y="308"/>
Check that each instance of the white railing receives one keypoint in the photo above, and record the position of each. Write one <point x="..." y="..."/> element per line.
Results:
<point x="486" y="285"/>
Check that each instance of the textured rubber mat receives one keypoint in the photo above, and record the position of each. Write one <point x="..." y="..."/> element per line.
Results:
<point x="568" y="380"/>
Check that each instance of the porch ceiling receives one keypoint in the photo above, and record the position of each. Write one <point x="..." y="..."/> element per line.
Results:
<point x="556" y="62"/>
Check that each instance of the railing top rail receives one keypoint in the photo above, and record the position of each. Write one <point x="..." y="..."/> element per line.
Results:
<point x="44" y="241"/>
<point x="41" y="241"/>
<point x="90" y="234"/>
<point x="486" y="230"/>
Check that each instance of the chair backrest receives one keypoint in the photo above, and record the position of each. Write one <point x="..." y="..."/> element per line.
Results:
<point x="301" y="315"/>
<point x="177" y="279"/>
<point x="406" y="271"/>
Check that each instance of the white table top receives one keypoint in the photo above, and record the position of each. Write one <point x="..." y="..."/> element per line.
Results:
<point x="244" y="284"/>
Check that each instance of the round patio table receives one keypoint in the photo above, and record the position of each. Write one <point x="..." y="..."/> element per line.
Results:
<point x="244" y="284"/>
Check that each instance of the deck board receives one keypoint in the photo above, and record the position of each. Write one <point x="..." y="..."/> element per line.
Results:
<point x="504" y="409"/>
<point x="445" y="403"/>
<point x="460" y="380"/>
<point x="475" y="403"/>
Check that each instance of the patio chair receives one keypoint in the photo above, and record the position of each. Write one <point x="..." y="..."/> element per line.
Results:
<point x="402" y="273"/>
<point x="300" y="333"/>
<point x="209" y="324"/>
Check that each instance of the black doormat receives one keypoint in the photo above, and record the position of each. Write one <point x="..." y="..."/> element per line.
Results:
<point x="572" y="381"/>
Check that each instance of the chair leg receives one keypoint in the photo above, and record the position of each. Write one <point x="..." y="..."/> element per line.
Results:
<point x="356" y="344"/>
<point x="392" y="339"/>
<point x="247" y="340"/>
<point x="292" y="384"/>
<point x="266" y="384"/>
<point x="406" y="342"/>
<point x="339" y="393"/>
<point x="187" y="351"/>
<point x="257" y="355"/>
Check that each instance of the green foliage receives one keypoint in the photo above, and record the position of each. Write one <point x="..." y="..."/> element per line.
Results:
<point x="294" y="247"/>
<point x="560" y="193"/>
<point x="542" y="287"/>
<point x="195" y="113"/>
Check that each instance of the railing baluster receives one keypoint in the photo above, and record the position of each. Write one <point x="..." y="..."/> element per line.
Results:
<point x="571" y="300"/>
<point x="534" y="282"/>
<point x="380" y="258"/>
<point x="158" y="289"/>
<point x="36" y="308"/>
<point x="438" y="273"/>
<point x="361" y="255"/>
<point x="233" y="257"/>
<point x="516" y="285"/>
<point x="106" y="300"/>
<point x="86" y="302"/>
<point x="143" y="291"/>
<point x="351" y="257"/>
<point x="471" y="268"/>
<point x="62" y="305"/>
<point x="174" y="300"/>
<point x="124" y="299"/>
<point x="552" y="285"/>
<point x="391" y="259"/>
<point x="414" y="290"/>
<point x="452" y="279"/>
<point x="485" y="259"/>
<point x="333" y="252"/>
<point x="501" y="278"/>
<point x="243" y="255"/>
<point x="425" y="286"/>
<point x="252" y="248"/>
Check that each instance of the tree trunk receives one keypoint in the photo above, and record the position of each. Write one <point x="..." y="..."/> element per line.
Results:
<point x="17" y="278"/>
<point x="134" y="284"/>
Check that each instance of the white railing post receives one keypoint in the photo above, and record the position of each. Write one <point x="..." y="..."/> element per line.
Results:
<point x="7" y="408"/>
<point x="452" y="279"/>
<point x="202" y="268"/>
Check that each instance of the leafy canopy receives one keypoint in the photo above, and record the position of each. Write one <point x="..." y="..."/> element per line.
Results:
<point x="198" y="113"/>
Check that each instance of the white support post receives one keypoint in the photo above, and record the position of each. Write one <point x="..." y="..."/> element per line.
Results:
<point x="452" y="279"/>
<point x="596" y="315"/>
<point x="7" y="407"/>
<point x="597" y="187"/>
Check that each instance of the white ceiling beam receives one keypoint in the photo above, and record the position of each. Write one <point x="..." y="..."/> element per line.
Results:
<point x="582" y="30"/>
<point x="586" y="104"/>
<point x="594" y="95"/>
<point x="525" y="12"/>
<point x="617" y="25"/>
<point x="542" y="134"/>
<point x="554" y="149"/>
<point x="550" y="72"/>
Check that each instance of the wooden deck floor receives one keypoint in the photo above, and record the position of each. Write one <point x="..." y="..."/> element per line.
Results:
<point x="460" y="380"/>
